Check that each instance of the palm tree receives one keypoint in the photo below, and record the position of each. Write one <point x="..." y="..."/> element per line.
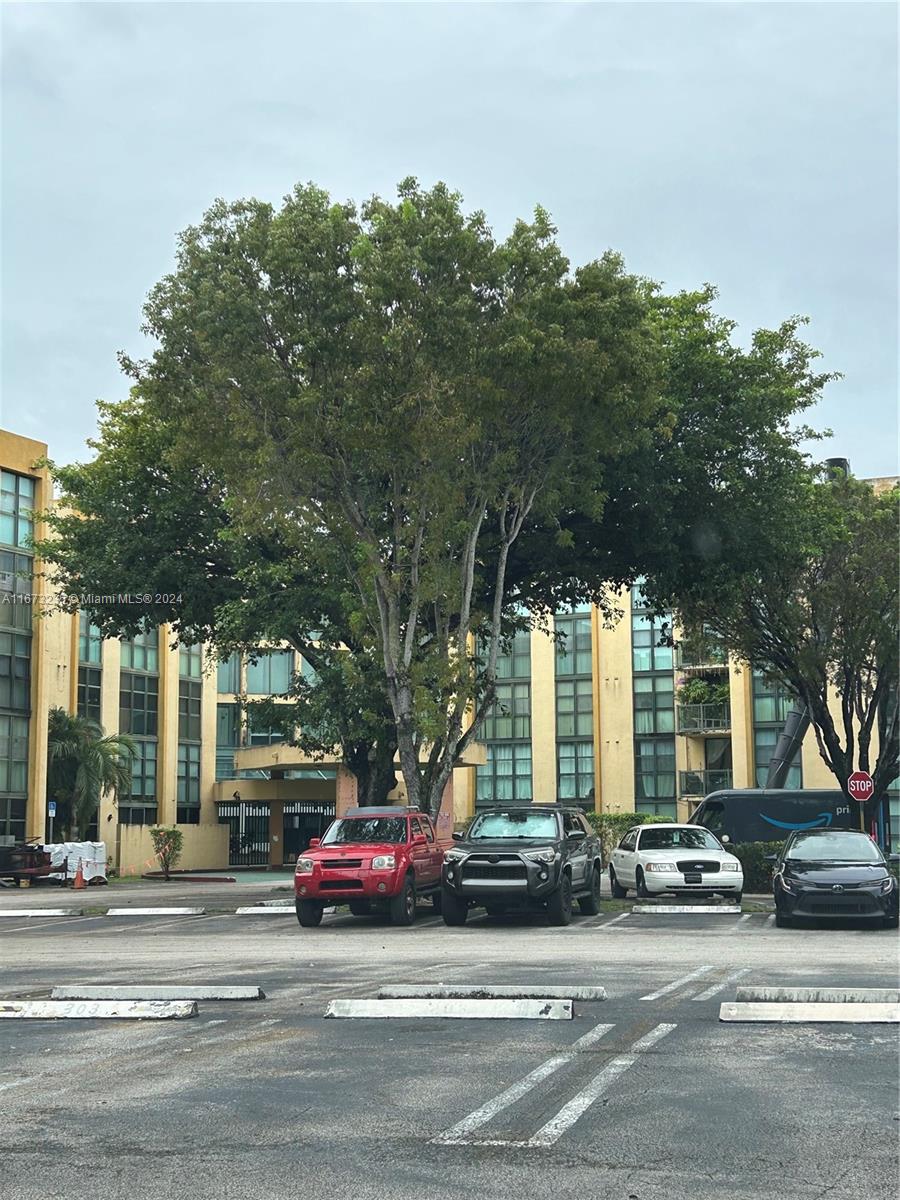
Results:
<point x="83" y="763"/>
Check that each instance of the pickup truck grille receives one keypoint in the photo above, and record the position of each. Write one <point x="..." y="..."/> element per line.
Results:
<point x="337" y="864"/>
<point x="690" y="866"/>
<point x="340" y="885"/>
<point x="506" y="868"/>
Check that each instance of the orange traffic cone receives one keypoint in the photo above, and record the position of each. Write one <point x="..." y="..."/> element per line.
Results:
<point x="79" y="877"/>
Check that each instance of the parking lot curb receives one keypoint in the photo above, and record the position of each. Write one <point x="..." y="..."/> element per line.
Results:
<point x="792" y="1013"/>
<point x="155" y="912"/>
<point x="528" y="1010"/>
<point x="254" y="910"/>
<point x="156" y="992"/>
<point x="121" y="1010"/>
<point x="813" y="995"/>
<point x="41" y="912"/>
<point x="441" y="991"/>
<point x="655" y="909"/>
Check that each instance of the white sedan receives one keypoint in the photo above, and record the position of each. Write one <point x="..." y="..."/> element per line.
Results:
<point x="683" y="859"/>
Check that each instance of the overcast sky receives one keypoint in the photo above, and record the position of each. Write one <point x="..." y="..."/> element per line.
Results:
<point x="750" y="145"/>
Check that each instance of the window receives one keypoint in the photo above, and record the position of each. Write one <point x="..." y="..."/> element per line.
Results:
<point x="228" y="738"/>
<point x="507" y="773"/>
<point x="90" y="640"/>
<point x="271" y="674"/>
<point x="654" y="770"/>
<point x="13" y="754"/>
<point x="190" y="661"/>
<point x="140" y="808"/>
<point x="646" y="632"/>
<point x="629" y="841"/>
<point x="772" y="702"/>
<point x="89" y="693"/>
<point x="15" y="590"/>
<point x="15" y="671"/>
<point x="511" y="715"/>
<point x="188" y="774"/>
<point x="574" y="708"/>
<point x="187" y="815"/>
<point x="138" y="704"/>
<point x="229" y="675"/>
<point x="16" y="505"/>
<point x="654" y="703"/>
<point x="189" y="694"/>
<point x="575" y="770"/>
<point x="516" y="663"/>
<point x="141" y="653"/>
<point x="573" y="651"/>
<point x="137" y="814"/>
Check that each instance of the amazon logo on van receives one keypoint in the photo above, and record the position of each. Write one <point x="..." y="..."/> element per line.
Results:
<point x="822" y="821"/>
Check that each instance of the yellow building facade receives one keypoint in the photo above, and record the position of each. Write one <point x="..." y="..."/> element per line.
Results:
<point x="597" y="714"/>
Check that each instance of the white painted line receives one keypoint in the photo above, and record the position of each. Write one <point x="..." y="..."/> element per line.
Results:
<point x="152" y="991"/>
<point x="55" y="924"/>
<point x="155" y="912"/>
<point x="717" y="987"/>
<point x="743" y="921"/>
<point x="614" y="921"/>
<point x="770" y="920"/>
<point x="658" y="909"/>
<point x="863" y="1014"/>
<point x="268" y="911"/>
<point x="569" y="1113"/>
<point x="487" y="991"/>
<point x="458" y="1133"/>
<point x="4" y="1087"/>
<point x="529" y="1010"/>
<point x="674" y="986"/>
<point x="42" y="912"/>
<point x="119" y="1010"/>
<point x="821" y="995"/>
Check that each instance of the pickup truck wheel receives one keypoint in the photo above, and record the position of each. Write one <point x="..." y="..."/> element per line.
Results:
<point x="403" y="905"/>
<point x="559" y="906"/>
<point x="617" y="890"/>
<point x="360" y="908"/>
<point x="590" y="904"/>
<point x="453" y="910"/>
<point x="309" y="913"/>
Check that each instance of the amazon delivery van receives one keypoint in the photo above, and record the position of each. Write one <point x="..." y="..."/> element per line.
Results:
<point x="769" y="815"/>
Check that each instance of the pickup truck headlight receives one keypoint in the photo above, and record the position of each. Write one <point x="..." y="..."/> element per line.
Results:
<point x="731" y="866"/>
<point x="547" y="855"/>
<point x="661" y="867"/>
<point x="304" y="866"/>
<point x="453" y="856"/>
<point x="383" y="862"/>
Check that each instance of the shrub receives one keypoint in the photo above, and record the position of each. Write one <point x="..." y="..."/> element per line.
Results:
<point x="167" y="844"/>
<point x="612" y="827"/>
<point x="757" y="872"/>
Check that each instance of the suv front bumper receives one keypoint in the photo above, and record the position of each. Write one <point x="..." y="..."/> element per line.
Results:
<point x="511" y="877"/>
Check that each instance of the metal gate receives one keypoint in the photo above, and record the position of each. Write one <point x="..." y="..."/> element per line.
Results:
<point x="304" y="819"/>
<point x="248" y="840"/>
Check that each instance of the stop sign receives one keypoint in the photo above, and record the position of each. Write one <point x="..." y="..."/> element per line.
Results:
<point x="860" y="786"/>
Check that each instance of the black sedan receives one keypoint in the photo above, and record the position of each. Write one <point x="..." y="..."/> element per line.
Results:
<point x="833" y="873"/>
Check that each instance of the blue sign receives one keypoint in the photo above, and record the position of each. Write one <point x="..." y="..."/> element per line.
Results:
<point x="51" y="808"/>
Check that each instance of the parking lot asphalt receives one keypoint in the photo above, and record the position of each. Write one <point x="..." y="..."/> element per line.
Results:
<point x="643" y="1096"/>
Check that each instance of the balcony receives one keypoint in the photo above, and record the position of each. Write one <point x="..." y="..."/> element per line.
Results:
<point x="708" y="658"/>
<point x="695" y="720"/>
<point x="701" y="783"/>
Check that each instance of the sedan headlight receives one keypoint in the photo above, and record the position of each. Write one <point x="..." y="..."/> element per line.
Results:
<point x="661" y="867"/>
<point x="304" y="866"/>
<point x="731" y="866"/>
<point x="885" y="884"/>
<point x="384" y="862"/>
<point x="547" y="855"/>
<point x="790" y="885"/>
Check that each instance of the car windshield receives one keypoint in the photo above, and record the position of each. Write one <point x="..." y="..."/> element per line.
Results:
<point x="514" y="825"/>
<point x="678" y="839"/>
<point x="833" y="847"/>
<point x="367" y="829"/>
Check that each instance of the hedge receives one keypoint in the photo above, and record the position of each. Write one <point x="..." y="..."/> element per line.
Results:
<point x="757" y="872"/>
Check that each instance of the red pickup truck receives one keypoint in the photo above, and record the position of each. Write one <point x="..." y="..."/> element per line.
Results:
<point x="373" y="859"/>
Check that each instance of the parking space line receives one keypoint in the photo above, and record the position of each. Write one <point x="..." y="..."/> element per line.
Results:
<point x="769" y="921"/>
<point x="458" y="1133"/>
<point x="678" y="983"/>
<point x="579" y="1104"/>
<point x="59" y="923"/>
<point x="614" y="921"/>
<point x="743" y="921"/>
<point x="717" y="987"/>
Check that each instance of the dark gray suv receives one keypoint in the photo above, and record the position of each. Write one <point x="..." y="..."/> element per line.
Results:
<point x="537" y="857"/>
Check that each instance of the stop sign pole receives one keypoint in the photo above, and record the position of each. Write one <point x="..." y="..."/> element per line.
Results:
<point x="861" y="788"/>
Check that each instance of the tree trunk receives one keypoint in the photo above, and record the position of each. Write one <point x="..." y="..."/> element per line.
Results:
<point x="373" y="765"/>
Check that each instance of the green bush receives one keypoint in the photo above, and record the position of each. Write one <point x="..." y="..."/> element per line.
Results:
<point x="612" y="827"/>
<point x="167" y="846"/>
<point x="757" y="872"/>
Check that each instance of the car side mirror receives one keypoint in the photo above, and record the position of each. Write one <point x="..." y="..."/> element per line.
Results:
<point x="419" y="840"/>
<point x="577" y="835"/>
<point x="771" y="858"/>
<point x="894" y="858"/>
<point x="313" y="842"/>
<point x="457" y="835"/>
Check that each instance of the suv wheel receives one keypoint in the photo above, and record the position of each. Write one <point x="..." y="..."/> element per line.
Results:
<point x="309" y="913"/>
<point x="403" y="905"/>
<point x="590" y="904"/>
<point x="453" y="910"/>
<point x="559" y="906"/>
<point x="617" y="890"/>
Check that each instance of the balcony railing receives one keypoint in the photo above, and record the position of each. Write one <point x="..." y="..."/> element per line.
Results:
<point x="703" y="718"/>
<point x="701" y="783"/>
